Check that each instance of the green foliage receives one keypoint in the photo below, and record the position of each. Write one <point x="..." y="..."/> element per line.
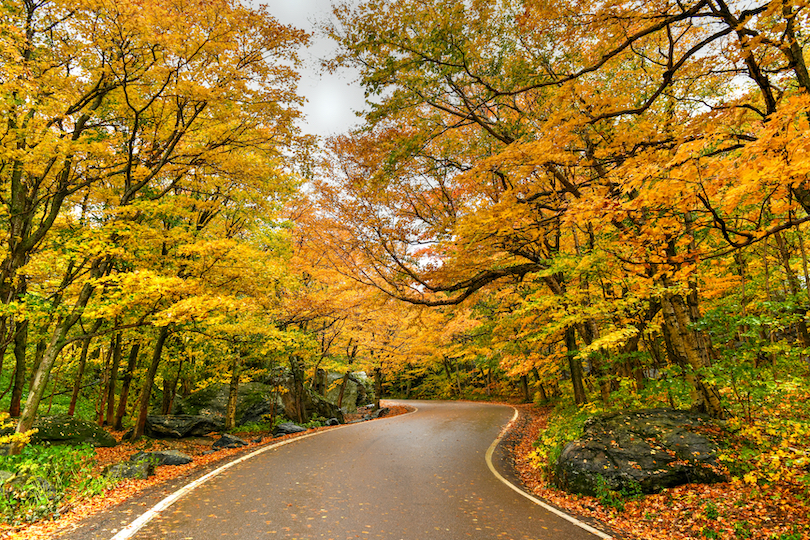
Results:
<point x="742" y="529"/>
<point x="616" y="499"/>
<point x="45" y="478"/>
<point x="711" y="510"/>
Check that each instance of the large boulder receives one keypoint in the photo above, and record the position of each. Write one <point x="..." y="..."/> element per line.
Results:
<point x="356" y="393"/>
<point x="162" y="457"/>
<point x="228" y="441"/>
<point x="177" y="426"/>
<point x="213" y="401"/>
<point x="650" y="449"/>
<point x="140" y="470"/>
<point x="68" y="430"/>
<point x="287" y="428"/>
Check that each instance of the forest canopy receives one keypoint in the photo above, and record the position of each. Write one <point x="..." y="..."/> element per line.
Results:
<point x="561" y="200"/>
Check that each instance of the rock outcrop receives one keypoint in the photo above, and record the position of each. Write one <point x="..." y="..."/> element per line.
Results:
<point x="648" y="450"/>
<point x="162" y="457"/>
<point x="256" y="401"/>
<point x="177" y="426"/>
<point x="68" y="430"/>
<point x="287" y="428"/>
<point x="228" y="441"/>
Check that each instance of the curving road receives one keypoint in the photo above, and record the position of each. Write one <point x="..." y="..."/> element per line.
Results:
<point x="418" y="476"/>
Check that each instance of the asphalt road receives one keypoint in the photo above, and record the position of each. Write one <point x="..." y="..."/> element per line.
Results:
<point x="419" y="476"/>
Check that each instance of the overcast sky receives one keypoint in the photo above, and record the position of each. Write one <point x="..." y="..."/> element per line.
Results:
<point x="331" y="99"/>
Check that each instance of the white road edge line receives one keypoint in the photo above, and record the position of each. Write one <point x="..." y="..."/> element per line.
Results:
<point x="535" y="500"/>
<point x="129" y="531"/>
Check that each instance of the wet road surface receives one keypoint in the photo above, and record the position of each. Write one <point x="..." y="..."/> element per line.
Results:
<point x="418" y="476"/>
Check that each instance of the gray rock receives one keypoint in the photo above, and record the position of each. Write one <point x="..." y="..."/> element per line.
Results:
<point x="140" y="470"/>
<point x="162" y="457"/>
<point x="333" y="422"/>
<point x="177" y="426"/>
<point x="287" y="428"/>
<point x="652" y="449"/>
<point x="68" y="430"/>
<point x="228" y="441"/>
<point x="358" y="390"/>
<point x="259" y="413"/>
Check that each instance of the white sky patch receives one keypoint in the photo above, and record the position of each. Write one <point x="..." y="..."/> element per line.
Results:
<point x="332" y="99"/>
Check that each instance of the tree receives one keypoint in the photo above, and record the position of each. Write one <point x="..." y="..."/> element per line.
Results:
<point x="127" y="106"/>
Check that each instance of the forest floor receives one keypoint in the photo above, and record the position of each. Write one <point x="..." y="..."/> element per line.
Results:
<point x="195" y="447"/>
<point x="728" y="510"/>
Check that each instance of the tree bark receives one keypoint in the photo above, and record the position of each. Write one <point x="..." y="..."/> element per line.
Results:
<point x="343" y="389"/>
<point x="233" y="392"/>
<point x="795" y="288"/>
<point x="116" y="363"/>
<point x="297" y="367"/>
<point x="524" y="385"/>
<point x="683" y="345"/>
<point x="77" y="384"/>
<point x="20" y="345"/>
<point x="575" y="366"/>
<point x="148" y="381"/>
<point x="377" y="387"/>
<point x="122" y="399"/>
<point x="105" y="383"/>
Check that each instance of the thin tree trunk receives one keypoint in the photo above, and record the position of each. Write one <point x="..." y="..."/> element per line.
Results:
<point x="20" y="345"/>
<point x="795" y="288"/>
<point x="377" y="388"/>
<point x="575" y="366"/>
<point x="170" y="389"/>
<point x="297" y="367"/>
<point x="110" y="417"/>
<point x="233" y="392"/>
<point x="804" y="263"/>
<point x="122" y="400"/>
<point x="77" y="384"/>
<point x="105" y="382"/>
<point x="148" y="381"/>
<point x="343" y="389"/>
<point x="524" y="384"/>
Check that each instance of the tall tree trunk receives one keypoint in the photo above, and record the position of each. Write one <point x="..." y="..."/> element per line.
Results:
<point x="575" y="366"/>
<point x="148" y="382"/>
<point x="116" y="363"/>
<point x="795" y="288"/>
<point x="122" y="399"/>
<point x="170" y="389"/>
<point x="377" y="387"/>
<point x="105" y="383"/>
<point x="233" y="392"/>
<point x="343" y="389"/>
<point x="77" y="384"/>
<point x="684" y="346"/>
<point x="448" y="371"/>
<point x="524" y="385"/>
<point x="20" y="345"/>
<point x="297" y="367"/>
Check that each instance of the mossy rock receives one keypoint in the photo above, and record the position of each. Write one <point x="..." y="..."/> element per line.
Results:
<point x="67" y="430"/>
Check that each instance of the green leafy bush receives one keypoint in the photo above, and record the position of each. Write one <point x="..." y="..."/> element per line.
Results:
<point x="45" y="477"/>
